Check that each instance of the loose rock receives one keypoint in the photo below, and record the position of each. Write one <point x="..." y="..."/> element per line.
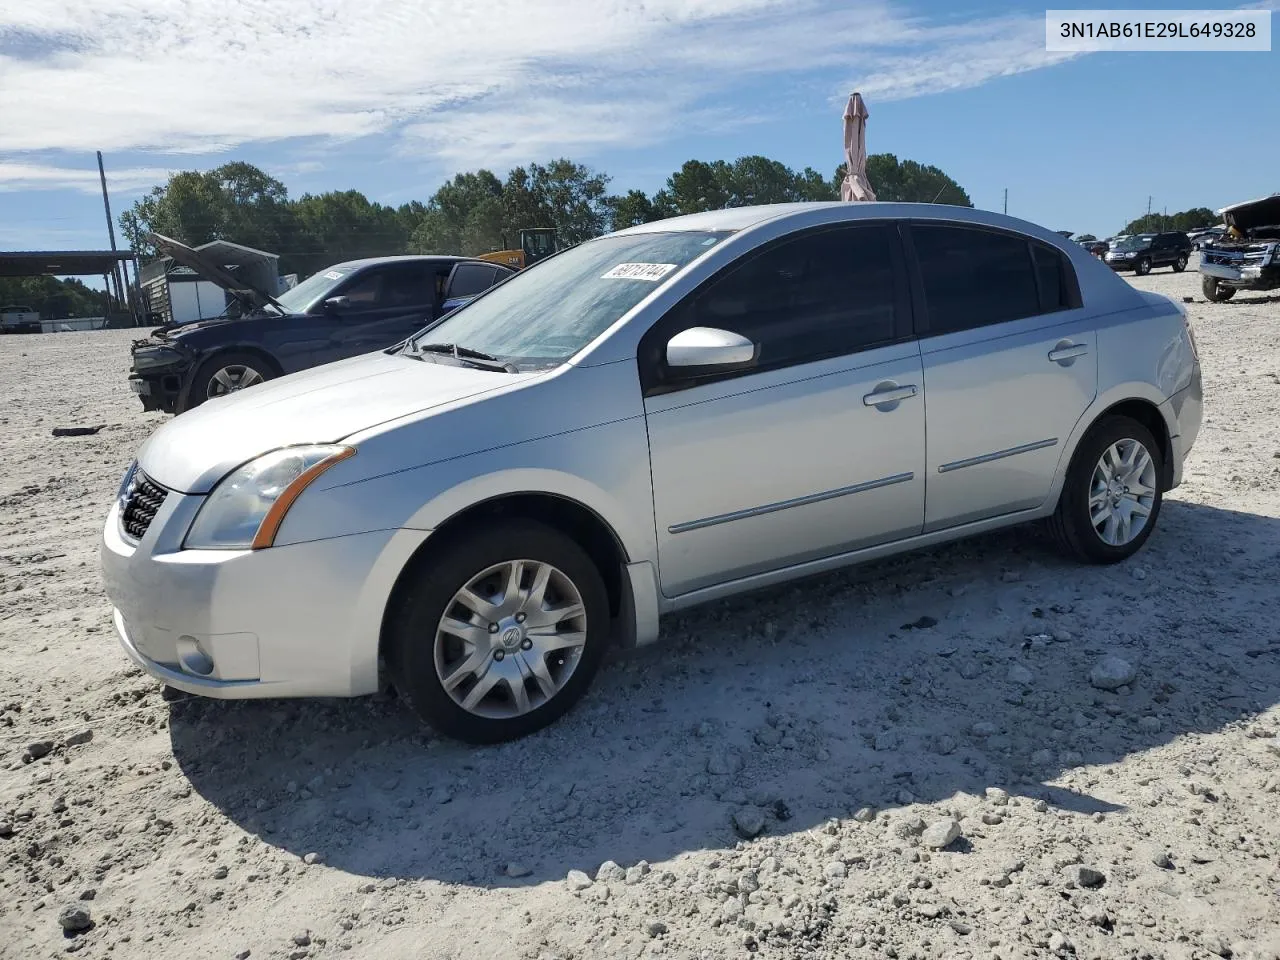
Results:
<point x="75" y="918"/>
<point x="1112" y="673"/>
<point x="748" y="822"/>
<point x="576" y="880"/>
<point x="941" y="834"/>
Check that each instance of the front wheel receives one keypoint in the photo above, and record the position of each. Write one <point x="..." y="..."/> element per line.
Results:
<point x="1180" y="264"/>
<point x="1142" y="267"/>
<point x="500" y="633"/>
<point x="1215" y="291"/>
<point x="1112" y="493"/>
<point x="224" y="374"/>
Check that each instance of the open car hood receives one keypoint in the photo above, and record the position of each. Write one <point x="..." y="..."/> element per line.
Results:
<point x="1252" y="214"/>
<point x="251" y="296"/>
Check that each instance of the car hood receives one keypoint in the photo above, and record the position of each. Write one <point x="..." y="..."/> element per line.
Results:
<point x="1252" y="213"/>
<point x="195" y="450"/>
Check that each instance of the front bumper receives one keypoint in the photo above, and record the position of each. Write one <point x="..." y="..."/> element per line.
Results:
<point x="1120" y="264"/>
<point x="1248" y="277"/>
<point x="161" y="388"/>
<point x="290" y="621"/>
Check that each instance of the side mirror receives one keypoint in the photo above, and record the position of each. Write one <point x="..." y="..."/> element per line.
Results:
<point x="337" y="303"/>
<point x="703" y="347"/>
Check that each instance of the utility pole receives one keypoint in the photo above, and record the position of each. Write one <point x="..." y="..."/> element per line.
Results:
<point x="1006" y="199"/>
<point x="111" y="232"/>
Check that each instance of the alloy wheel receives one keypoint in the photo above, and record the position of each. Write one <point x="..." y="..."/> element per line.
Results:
<point x="510" y="639"/>
<point x="231" y="378"/>
<point x="1122" y="492"/>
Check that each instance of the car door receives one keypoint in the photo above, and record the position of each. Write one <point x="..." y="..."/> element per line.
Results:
<point x="377" y="308"/>
<point x="1162" y="253"/>
<point x="817" y="449"/>
<point x="468" y="280"/>
<point x="1010" y="366"/>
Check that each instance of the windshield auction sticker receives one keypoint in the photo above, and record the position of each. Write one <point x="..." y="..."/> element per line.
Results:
<point x="1067" y="31"/>
<point x="653" y="272"/>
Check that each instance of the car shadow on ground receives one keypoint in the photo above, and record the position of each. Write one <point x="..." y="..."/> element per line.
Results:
<point x="802" y="703"/>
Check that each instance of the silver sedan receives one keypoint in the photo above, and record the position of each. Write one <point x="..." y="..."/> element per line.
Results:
<point x="665" y="416"/>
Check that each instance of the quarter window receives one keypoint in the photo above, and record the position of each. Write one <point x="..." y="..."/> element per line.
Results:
<point x="470" y="279"/>
<point x="972" y="278"/>
<point x="1051" y="272"/>
<point x="823" y="294"/>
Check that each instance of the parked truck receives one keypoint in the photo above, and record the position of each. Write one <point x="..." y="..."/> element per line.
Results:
<point x="19" y="319"/>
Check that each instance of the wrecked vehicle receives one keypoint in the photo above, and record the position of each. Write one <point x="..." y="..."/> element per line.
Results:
<point x="1247" y="256"/>
<point x="343" y="311"/>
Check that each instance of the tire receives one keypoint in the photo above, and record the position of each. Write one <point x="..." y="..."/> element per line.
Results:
<point x="1142" y="267"/>
<point x="420" y="654"/>
<point x="1215" y="291"/>
<point x="237" y="365"/>
<point x="1180" y="264"/>
<point x="1072" y="522"/>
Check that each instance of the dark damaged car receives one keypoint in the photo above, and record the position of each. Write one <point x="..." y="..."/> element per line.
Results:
<point x="343" y="311"/>
<point x="1247" y="256"/>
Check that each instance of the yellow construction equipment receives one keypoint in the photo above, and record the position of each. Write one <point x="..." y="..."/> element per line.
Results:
<point x="535" y="244"/>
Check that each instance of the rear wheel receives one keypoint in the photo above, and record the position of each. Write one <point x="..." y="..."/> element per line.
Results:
<point x="500" y="633"/>
<point x="1215" y="291"/>
<point x="1111" y="497"/>
<point x="1180" y="264"/>
<point x="1142" y="267"/>
<point x="224" y="374"/>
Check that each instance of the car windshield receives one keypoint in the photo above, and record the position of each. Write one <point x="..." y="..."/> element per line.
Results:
<point x="1130" y="244"/>
<point x="312" y="290"/>
<point x="546" y="314"/>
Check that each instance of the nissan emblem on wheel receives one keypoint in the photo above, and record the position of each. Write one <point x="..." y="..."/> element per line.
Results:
<point x="658" y="418"/>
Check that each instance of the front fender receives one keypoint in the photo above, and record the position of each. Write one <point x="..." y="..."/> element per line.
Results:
<point x="604" y="468"/>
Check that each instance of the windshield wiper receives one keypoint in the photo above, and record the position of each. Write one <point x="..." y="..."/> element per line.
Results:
<point x="476" y="358"/>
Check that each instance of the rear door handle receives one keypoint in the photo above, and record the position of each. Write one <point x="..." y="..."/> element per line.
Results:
<point x="885" y="394"/>
<point x="1067" y="351"/>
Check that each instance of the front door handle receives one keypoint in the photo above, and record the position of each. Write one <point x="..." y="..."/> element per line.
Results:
<point x="887" y="393"/>
<point x="1066" y="351"/>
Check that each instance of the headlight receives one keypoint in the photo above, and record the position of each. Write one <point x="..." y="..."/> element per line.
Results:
<point x="155" y="357"/>
<point x="247" y="507"/>
<point x="126" y="483"/>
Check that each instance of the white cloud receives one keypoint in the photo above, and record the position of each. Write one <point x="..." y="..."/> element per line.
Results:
<point x="488" y="81"/>
<point x="35" y="176"/>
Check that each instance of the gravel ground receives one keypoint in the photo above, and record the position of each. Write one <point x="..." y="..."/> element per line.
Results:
<point x="914" y="758"/>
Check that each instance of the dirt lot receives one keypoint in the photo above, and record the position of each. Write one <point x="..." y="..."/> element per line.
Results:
<point x="1141" y="822"/>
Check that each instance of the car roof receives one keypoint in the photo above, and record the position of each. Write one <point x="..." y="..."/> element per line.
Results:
<point x="744" y="218"/>
<point x="406" y="258"/>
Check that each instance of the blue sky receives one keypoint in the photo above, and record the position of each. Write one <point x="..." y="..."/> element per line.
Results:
<point x="392" y="96"/>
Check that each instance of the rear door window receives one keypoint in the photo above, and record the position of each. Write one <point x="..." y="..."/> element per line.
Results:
<point x="973" y="277"/>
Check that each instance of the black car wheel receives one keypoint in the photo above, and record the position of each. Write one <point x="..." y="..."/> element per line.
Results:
<point x="1180" y="264"/>
<point x="499" y="632"/>
<point x="1142" y="267"/>
<point x="1215" y="291"/>
<point x="224" y="374"/>
<point x="1111" y="498"/>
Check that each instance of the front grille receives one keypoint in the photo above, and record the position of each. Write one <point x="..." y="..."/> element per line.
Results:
<point x="141" y="502"/>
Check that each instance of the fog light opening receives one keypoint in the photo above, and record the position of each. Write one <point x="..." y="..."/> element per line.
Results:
<point x="193" y="658"/>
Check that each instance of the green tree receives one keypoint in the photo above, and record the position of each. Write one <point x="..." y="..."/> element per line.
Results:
<point x="337" y="226"/>
<point x="53" y="298"/>
<point x="907" y="181"/>
<point x="236" y="202"/>
<point x="695" y="187"/>
<point x="631" y="209"/>
<point x="1194" y="219"/>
